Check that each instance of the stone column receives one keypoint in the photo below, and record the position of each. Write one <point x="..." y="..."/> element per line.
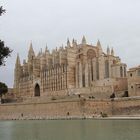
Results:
<point x="58" y="79"/>
<point x="94" y="70"/>
<point x="76" y="74"/>
<point x="86" y="75"/>
<point x="55" y="79"/>
<point x="61" y="77"/>
<point x="80" y="75"/>
<point x="43" y="80"/>
<point x="50" y="79"/>
<point x="101" y="68"/>
<point x="51" y="82"/>
<point x="89" y="73"/>
<point x="110" y="72"/>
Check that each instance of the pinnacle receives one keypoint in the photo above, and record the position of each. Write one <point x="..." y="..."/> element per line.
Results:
<point x="31" y="51"/>
<point x="84" y="40"/>
<point x="68" y="42"/>
<point x="18" y="59"/>
<point x="98" y="43"/>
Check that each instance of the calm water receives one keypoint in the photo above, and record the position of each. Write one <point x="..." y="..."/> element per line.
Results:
<point x="70" y="130"/>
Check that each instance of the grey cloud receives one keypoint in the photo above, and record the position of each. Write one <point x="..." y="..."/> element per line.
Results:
<point x="114" y="22"/>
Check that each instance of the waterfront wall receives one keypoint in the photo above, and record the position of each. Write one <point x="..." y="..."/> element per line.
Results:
<point x="128" y="106"/>
<point x="70" y="108"/>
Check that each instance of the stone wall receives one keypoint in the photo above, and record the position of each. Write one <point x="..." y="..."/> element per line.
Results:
<point x="128" y="106"/>
<point x="70" y="108"/>
<point x="134" y="81"/>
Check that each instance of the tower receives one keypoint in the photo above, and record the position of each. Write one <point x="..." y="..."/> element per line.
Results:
<point x="17" y="74"/>
<point x="31" y="56"/>
<point x="31" y="53"/>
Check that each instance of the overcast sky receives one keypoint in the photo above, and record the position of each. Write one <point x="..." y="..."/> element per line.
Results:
<point x="115" y="22"/>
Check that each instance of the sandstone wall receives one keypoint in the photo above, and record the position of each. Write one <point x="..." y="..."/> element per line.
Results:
<point x="128" y="106"/>
<point x="73" y="108"/>
<point x="52" y="109"/>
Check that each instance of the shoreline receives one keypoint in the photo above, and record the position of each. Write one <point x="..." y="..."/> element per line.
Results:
<point x="76" y="118"/>
<point x="73" y="110"/>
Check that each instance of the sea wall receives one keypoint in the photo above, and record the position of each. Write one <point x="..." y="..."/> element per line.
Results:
<point x="128" y="106"/>
<point x="70" y="108"/>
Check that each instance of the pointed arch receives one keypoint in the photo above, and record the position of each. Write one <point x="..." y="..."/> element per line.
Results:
<point x="106" y="69"/>
<point x="121" y="71"/>
<point x="37" y="90"/>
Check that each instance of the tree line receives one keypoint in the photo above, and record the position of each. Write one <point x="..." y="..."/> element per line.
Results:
<point x="4" y="53"/>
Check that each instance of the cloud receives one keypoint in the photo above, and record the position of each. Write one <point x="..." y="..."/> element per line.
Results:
<point x="114" y="22"/>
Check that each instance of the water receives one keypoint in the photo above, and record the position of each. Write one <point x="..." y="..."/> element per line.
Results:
<point x="70" y="130"/>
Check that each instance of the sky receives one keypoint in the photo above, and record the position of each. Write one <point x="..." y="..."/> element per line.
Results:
<point x="116" y="23"/>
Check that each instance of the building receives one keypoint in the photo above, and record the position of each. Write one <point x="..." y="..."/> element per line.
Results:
<point x="74" y="69"/>
<point x="134" y="81"/>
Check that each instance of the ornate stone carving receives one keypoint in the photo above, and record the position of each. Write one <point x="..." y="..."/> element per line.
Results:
<point x="91" y="54"/>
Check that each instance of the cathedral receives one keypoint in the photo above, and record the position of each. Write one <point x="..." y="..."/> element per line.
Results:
<point x="71" y="70"/>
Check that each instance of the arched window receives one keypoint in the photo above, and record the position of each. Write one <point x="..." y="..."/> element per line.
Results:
<point x="90" y="55"/>
<point x="83" y="76"/>
<point x="97" y="70"/>
<point x="91" y="64"/>
<point x="106" y="69"/>
<point x="78" y="74"/>
<point x="121" y="71"/>
<point x="37" y="90"/>
<point x="124" y="71"/>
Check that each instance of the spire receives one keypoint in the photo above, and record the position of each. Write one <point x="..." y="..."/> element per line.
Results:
<point x="99" y="47"/>
<point x="31" y="48"/>
<point x="74" y="42"/>
<point x="112" y="52"/>
<point x="17" y="73"/>
<point x="46" y="49"/>
<point x="18" y="60"/>
<point x="108" y="50"/>
<point x="98" y="43"/>
<point x="68" y="43"/>
<point x="31" y="53"/>
<point x="84" y="40"/>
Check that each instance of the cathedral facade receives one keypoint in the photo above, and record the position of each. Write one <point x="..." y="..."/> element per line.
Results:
<point x="74" y="69"/>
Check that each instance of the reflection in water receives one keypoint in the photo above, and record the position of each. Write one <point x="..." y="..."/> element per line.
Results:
<point x="70" y="130"/>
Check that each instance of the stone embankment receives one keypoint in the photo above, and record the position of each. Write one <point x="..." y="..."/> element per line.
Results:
<point x="78" y="108"/>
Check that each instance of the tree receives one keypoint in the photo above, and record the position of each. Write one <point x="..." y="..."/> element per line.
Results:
<point x="2" y="10"/>
<point x="4" y="51"/>
<point x="3" y="89"/>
